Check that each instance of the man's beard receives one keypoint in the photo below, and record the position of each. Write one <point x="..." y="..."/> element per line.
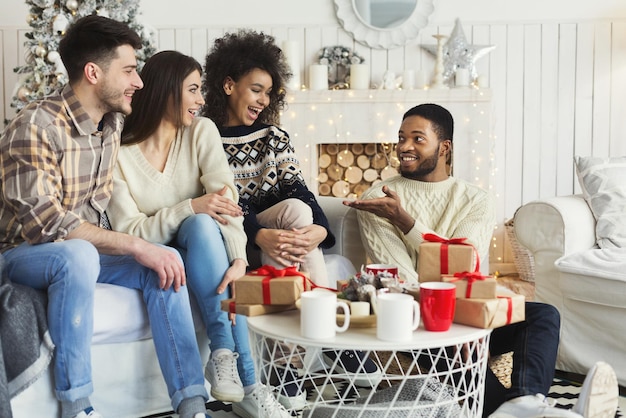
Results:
<point x="113" y="101"/>
<point x="426" y="166"/>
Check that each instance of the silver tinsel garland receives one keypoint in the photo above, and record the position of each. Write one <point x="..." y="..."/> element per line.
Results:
<point x="43" y="71"/>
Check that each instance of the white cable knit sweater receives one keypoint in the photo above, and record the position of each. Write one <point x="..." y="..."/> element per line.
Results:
<point x="451" y="208"/>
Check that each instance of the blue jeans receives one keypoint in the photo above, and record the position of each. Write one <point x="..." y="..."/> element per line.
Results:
<point x="534" y="342"/>
<point x="69" y="271"/>
<point x="200" y="242"/>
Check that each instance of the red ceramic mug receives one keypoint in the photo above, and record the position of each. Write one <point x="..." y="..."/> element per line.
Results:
<point x="437" y="303"/>
<point x="382" y="268"/>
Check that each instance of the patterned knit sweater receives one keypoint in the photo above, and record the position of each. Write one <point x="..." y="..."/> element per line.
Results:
<point x="267" y="171"/>
<point x="451" y="208"/>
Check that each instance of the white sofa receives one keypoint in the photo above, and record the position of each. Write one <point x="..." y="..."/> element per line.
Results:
<point x="126" y="375"/>
<point x="585" y="283"/>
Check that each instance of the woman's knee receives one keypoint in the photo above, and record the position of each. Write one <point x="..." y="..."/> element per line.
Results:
<point x="199" y="225"/>
<point x="297" y="213"/>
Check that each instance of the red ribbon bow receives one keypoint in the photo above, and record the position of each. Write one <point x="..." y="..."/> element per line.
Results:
<point x="270" y="273"/>
<point x="443" y="255"/>
<point x="471" y="278"/>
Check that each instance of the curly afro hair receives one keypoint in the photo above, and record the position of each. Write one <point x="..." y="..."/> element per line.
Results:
<point x="234" y="55"/>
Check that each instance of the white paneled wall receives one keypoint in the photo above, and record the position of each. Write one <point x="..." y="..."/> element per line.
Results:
<point x="557" y="89"/>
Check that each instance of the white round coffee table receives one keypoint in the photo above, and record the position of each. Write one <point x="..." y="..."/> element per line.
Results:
<point x="433" y="374"/>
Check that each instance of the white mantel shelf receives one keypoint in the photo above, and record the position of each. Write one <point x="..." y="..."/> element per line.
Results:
<point x="364" y="116"/>
<point x="390" y="96"/>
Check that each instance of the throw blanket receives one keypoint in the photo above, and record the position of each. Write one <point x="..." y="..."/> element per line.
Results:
<point x="25" y="345"/>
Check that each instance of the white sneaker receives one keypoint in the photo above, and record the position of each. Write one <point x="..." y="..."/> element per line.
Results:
<point x="88" y="413"/>
<point x="531" y="406"/>
<point x="221" y="372"/>
<point x="261" y="403"/>
<point x="289" y="391"/>
<point x="599" y="394"/>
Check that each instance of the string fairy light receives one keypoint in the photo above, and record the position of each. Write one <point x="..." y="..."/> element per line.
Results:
<point x="366" y="116"/>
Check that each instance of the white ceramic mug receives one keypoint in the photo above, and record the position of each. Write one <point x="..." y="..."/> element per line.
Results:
<point x="318" y="314"/>
<point x="398" y="315"/>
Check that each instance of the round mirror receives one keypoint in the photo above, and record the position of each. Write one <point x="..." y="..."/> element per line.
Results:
<point x="383" y="24"/>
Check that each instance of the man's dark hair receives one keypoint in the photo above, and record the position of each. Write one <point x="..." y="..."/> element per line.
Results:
<point x="440" y="118"/>
<point x="94" y="39"/>
<point x="235" y="55"/>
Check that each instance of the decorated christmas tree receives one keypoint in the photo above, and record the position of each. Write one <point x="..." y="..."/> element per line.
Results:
<point x="43" y="71"/>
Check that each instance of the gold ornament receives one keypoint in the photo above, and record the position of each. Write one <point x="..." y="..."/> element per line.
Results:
<point x="41" y="51"/>
<point x="23" y="93"/>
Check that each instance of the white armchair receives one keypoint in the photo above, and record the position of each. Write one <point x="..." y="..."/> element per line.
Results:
<point x="586" y="284"/>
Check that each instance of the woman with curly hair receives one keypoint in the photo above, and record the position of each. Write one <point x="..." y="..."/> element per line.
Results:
<point x="245" y="75"/>
<point x="173" y="185"/>
<point x="244" y="87"/>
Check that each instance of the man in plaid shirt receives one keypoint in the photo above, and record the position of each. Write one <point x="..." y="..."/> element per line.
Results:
<point x="56" y="164"/>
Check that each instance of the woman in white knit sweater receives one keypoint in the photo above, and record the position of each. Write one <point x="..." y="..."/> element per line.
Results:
<point x="172" y="184"/>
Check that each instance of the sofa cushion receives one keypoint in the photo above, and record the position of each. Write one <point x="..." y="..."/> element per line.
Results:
<point x="606" y="263"/>
<point x="604" y="189"/>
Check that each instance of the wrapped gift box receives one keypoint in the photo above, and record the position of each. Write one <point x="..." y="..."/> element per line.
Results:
<point x="259" y="288"/>
<point x="229" y="305"/>
<point x="490" y="313"/>
<point x="429" y="269"/>
<point x="480" y="287"/>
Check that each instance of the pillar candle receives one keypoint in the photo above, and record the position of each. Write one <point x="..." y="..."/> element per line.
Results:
<point x="408" y="80"/>
<point x="291" y="50"/>
<point x="318" y="77"/>
<point x="420" y="79"/>
<point x="461" y="77"/>
<point x="482" y="81"/>
<point x="359" y="76"/>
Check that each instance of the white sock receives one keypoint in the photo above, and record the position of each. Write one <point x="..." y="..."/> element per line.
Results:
<point x="249" y="389"/>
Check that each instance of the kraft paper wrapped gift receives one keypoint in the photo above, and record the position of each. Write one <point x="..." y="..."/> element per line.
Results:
<point x="270" y="286"/>
<point x="472" y="285"/>
<point x="490" y="313"/>
<point x="230" y="306"/>
<point x="430" y="269"/>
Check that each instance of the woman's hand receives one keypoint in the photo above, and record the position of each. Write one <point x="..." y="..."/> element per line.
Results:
<point x="236" y="270"/>
<point x="215" y="204"/>
<point x="288" y="247"/>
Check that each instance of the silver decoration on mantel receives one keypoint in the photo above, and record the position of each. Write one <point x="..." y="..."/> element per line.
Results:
<point x="338" y="59"/>
<point x="457" y="53"/>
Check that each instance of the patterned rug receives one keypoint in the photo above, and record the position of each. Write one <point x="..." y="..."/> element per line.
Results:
<point x="563" y="391"/>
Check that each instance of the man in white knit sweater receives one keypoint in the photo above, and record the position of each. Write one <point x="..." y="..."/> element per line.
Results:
<point x="395" y="213"/>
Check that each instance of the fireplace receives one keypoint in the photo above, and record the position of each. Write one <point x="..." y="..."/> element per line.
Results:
<point x="345" y="139"/>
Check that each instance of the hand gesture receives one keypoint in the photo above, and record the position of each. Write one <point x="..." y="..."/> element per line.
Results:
<point x="388" y="207"/>
<point x="283" y="246"/>
<point x="215" y="204"/>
